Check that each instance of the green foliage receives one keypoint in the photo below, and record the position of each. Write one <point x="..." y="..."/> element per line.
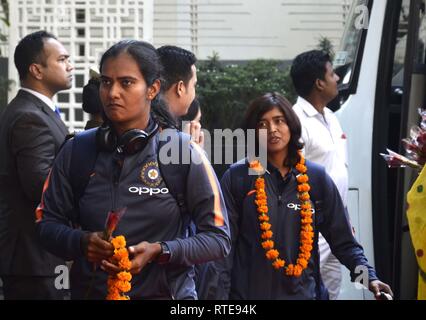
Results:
<point x="325" y="45"/>
<point x="226" y="90"/>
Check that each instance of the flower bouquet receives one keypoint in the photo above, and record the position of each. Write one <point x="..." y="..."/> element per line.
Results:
<point x="120" y="283"/>
<point x="415" y="148"/>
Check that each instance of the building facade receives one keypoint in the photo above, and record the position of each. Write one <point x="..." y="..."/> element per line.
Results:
<point x="235" y="29"/>
<point x="249" y="29"/>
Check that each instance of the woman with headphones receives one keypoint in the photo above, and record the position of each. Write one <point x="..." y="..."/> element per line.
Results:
<point x="127" y="175"/>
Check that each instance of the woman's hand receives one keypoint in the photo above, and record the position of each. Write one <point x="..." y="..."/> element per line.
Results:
<point x="95" y="248"/>
<point x="376" y="287"/>
<point x="141" y="255"/>
<point x="193" y="128"/>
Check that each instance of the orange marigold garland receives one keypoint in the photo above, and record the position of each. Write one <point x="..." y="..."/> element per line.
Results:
<point x="120" y="283"/>
<point x="306" y="230"/>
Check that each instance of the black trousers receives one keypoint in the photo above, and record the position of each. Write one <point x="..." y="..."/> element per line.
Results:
<point x="31" y="288"/>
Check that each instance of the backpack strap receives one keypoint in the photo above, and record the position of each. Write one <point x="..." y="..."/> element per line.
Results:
<point x="175" y="177"/>
<point x="241" y="182"/>
<point x="83" y="158"/>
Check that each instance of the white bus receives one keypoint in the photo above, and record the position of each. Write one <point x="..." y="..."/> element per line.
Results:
<point x="382" y="66"/>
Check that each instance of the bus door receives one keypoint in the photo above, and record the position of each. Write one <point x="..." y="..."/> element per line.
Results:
<point x="399" y="92"/>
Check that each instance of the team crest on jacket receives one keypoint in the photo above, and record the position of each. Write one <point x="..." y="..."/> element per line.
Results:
<point x="150" y="174"/>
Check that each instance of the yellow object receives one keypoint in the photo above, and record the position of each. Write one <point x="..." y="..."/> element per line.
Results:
<point x="416" y="214"/>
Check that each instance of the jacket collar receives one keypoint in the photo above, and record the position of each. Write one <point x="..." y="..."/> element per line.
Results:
<point x="44" y="108"/>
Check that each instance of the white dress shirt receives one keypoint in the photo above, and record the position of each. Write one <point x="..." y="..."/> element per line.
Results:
<point x="325" y="143"/>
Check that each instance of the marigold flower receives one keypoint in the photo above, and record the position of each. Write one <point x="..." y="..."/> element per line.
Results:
<point x="265" y="226"/>
<point x="307" y="248"/>
<point x="113" y="296"/>
<point x="297" y="272"/>
<point x="120" y="254"/>
<point x="272" y="254"/>
<point x="261" y="196"/>
<point x="302" y="178"/>
<point x="125" y="264"/>
<point x="306" y="235"/>
<point x="278" y="263"/>
<point x="289" y="270"/>
<point x="303" y="187"/>
<point x="305" y="214"/>
<point x="123" y="286"/>
<point x="124" y="276"/>
<point x="256" y="166"/>
<point x="302" y="262"/>
<point x="263" y="217"/>
<point x="307" y="256"/>
<point x="304" y="196"/>
<point x="267" y="235"/>
<point x="262" y="209"/>
<point x="268" y="244"/>
<point x="301" y="168"/>
<point x="118" y="242"/>
<point x="261" y="203"/>
<point x="306" y="206"/>
<point x="308" y="228"/>
<point x="112" y="289"/>
<point x="259" y="183"/>
<point x="307" y="221"/>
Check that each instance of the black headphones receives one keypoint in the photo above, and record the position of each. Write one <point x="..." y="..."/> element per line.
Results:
<point x="130" y="142"/>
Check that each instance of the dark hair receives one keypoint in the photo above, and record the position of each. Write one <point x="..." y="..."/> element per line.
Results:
<point x="192" y="111"/>
<point x="177" y="63"/>
<point x="161" y="113"/>
<point x="263" y="104"/>
<point x="30" y="50"/>
<point x="144" y="54"/>
<point x="147" y="58"/>
<point x="91" y="100"/>
<point x="307" y="67"/>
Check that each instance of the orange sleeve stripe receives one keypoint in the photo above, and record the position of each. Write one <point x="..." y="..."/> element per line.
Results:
<point x="250" y="193"/>
<point x="39" y="210"/>
<point x="217" y="210"/>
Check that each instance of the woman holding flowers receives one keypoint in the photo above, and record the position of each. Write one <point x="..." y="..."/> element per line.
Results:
<point x="154" y="259"/>
<point x="276" y="214"/>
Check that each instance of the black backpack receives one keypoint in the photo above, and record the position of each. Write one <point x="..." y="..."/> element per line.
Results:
<point x="241" y="184"/>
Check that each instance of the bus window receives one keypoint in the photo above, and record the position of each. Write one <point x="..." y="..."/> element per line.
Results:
<point x="420" y="58"/>
<point x="349" y="56"/>
<point x="399" y="57"/>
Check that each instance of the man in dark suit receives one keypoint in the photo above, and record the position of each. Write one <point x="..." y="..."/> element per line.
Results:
<point x="31" y="132"/>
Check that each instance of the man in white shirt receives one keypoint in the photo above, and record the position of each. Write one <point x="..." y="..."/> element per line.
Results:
<point x="325" y="143"/>
<point x="31" y="133"/>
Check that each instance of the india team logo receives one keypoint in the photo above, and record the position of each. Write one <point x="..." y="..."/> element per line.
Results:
<point x="150" y="174"/>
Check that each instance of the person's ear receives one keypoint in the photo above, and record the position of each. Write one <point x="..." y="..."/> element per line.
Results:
<point x="154" y="89"/>
<point x="319" y="84"/>
<point x="35" y="71"/>
<point x="180" y="88"/>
